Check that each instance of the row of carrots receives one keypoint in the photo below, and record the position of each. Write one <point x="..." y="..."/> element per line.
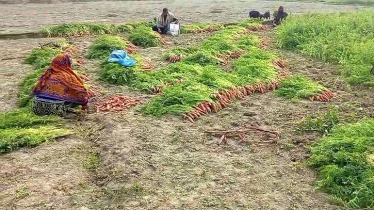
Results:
<point x="204" y="30"/>
<point x="131" y="48"/>
<point x="325" y="96"/>
<point x="224" y="99"/>
<point x="118" y="103"/>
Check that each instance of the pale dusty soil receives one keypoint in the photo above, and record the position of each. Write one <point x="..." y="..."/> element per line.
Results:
<point x="24" y="17"/>
<point x="148" y="163"/>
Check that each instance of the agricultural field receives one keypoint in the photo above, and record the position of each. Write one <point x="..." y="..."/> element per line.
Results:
<point x="342" y="2"/>
<point x="231" y="114"/>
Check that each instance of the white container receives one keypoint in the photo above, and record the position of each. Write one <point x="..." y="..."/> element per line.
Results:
<point x="174" y="29"/>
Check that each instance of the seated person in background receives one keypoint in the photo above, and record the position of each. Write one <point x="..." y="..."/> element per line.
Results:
<point x="163" y="21"/>
<point x="59" y="88"/>
<point x="281" y="15"/>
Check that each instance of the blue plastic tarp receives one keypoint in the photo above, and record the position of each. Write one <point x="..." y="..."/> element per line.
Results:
<point x="121" y="57"/>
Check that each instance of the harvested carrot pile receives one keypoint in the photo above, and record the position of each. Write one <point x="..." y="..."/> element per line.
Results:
<point x="259" y="28"/>
<point x="242" y="133"/>
<point x="94" y="91"/>
<point x="118" y="103"/>
<point x="224" y="98"/>
<point x="265" y="42"/>
<point x="237" y="54"/>
<point x="147" y="64"/>
<point x="225" y="58"/>
<point x="160" y="89"/>
<point x="325" y="96"/>
<point x="131" y="48"/>
<point x="157" y="90"/>
<point x="280" y="63"/>
<point x="204" y="30"/>
<point x="161" y="39"/>
<point x="174" y="58"/>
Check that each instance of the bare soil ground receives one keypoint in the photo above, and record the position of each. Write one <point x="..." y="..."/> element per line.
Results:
<point x="149" y="163"/>
<point x="26" y="17"/>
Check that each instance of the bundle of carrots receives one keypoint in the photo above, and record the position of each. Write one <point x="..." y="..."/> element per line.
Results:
<point x="173" y="58"/>
<point x="157" y="90"/>
<point x="131" y="48"/>
<point x="160" y="89"/>
<point x="94" y="91"/>
<point x="160" y="39"/>
<point x="280" y="63"/>
<point x="325" y="96"/>
<point x="71" y="50"/>
<point x="264" y="44"/>
<point x="179" y="80"/>
<point x="225" y="59"/>
<point x="224" y="98"/>
<point x="147" y="64"/>
<point x="258" y="28"/>
<point x="204" y="30"/>
<point x="237" y="54"/>
<point x="118" y="103"/>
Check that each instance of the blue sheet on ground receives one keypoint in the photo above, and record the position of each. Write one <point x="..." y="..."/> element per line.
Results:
<point x="121" y="57"/>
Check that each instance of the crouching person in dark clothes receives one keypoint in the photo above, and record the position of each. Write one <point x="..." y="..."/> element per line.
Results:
<point x="163" y="21"/>
<point x="281" y="15"/>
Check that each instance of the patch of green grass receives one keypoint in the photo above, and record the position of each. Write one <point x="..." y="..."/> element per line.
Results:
<point x="41" y="57"/>
<point x="223" y="42"/>
<point x="104" y="45"/>
<point x="322" y="124"/>
<point x="178" y="99"/>
<point x="202" y="58"/>
<point x="21" y="118"/>
<point x="116" y="74"/>
<point x="21" y="193"/>
<point x="130" y="27"/>
<point x="343" y="38"/>
<point x="22" y="128"/>
<point x="79" y="29"/>
<point x="92" y="161"/>
<point x="252" y="70"/>
<point x="196" y="27"/>
<point x="247" y="23"/>
<point x="298" y="87"/>
<point x="216" y="79"/>
<point x="181" y="51"/>
<point x="85" y="29"/>
<point x="14" y="138"/>
<point x="345" y="163"/>
<point x="145" y="37"/>
<point x="26" y="86"/>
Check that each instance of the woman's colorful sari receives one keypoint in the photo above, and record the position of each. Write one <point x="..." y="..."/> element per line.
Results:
<point x="59" y="82"/>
